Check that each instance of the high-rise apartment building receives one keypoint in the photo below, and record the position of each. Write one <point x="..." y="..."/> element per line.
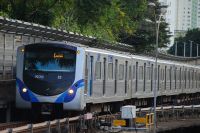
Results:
<point x="182" y="15"/>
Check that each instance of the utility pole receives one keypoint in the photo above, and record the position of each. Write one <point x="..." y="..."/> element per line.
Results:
<point x="197" y="50"/>
<point x="176" y="48"/>
<point x="191" y="48"/>
<point x="184" y="49"/>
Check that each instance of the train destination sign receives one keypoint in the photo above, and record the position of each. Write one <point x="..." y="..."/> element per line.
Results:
<point x="58" y="55"/>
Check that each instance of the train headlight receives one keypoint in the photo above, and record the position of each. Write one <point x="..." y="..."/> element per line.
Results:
<point x="24" y="90"/>
<point x="22" y="50"/>
<point x="70" y="91"/>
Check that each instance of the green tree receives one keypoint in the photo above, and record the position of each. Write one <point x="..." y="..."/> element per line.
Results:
<point x="102" y="19"/>
<point x="144" y="38"/>
<point x="38" y="11"/>
<point x="113" y="20"/>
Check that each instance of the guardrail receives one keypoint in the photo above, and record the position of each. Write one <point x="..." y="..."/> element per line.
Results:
<point x="82" y="123"/>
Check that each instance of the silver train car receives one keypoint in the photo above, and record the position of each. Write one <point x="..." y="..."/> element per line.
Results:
<point x="70" y="77"/>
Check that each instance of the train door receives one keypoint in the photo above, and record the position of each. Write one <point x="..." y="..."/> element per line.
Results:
<point x="86" y="75"/>
<point x="121" y="78"/>
<point x="104" y="76"/>
<point x="161" y="79"/>
<point x="130" y="80"/>
<point x="152" y="75"/>
<point x="158" y="78"/>
<point x="183" y="79"/>
<point x="165" y="78"/>
<point x="140" y="77"/>
<point x="110" y="82"/>
<point x="126" y="77"/>
<point x="148" y="77"/>
<point x="196" y="80"/>
<point x="144" y="81"/>
<point x="90" y="84"/>
<point x="180" y="79"/>
<point x="116" y="75"/>
<point x="136" y="77"/>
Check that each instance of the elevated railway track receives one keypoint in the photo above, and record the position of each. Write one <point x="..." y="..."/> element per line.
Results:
<point x="79" y="123"/>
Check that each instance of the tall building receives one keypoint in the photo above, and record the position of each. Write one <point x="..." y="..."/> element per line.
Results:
<point x="182" y="15"/>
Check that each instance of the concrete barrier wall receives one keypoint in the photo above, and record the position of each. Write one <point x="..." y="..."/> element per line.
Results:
<point x="8" y="47"/>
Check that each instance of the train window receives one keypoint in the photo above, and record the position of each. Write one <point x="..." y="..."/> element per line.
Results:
<point x="148" y="75"/>
<point x="167" y="74"/>
<point x="172" y="74"/>
<point x="98" y="70"/>
<point x="195" y="76"/>
<point x="192" y="75"/>
<point x="177" y="75"/>
<point x="110" y="70"/>
<point x="121" y="71"/>
<point x="183" y="72"/>
<point x="134" y="72"/>
<point x="130" y="73"/>
<point x="141" y="74"/>
<point x="163" y="76"/>
<point x="155" y="74"/>
<point x="160" y="73"/>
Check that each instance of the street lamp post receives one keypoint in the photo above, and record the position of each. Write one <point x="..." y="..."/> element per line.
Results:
<point x="156" y="60"/>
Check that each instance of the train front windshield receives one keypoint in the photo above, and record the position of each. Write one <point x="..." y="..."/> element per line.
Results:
<point x="50" y="59"/>
<point x="48" y="70"/>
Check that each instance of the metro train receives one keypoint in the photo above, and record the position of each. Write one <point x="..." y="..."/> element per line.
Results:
<point x="54" y="75"/>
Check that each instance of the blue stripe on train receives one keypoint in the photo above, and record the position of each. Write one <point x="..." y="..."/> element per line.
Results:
<point x="66" y="97"/>
<point x="28" y="95"/>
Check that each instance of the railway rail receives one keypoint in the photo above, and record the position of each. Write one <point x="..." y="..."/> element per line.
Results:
<point x="80" y="123"/>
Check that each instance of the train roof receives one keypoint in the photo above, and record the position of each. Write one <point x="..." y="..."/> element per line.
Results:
<point x="122" y="54"/>
<point x="144" y="58"/>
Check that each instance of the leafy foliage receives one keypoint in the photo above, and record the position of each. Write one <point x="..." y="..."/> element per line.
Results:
<point x="113" y="20"/>
<point x="144" y="38"/>
<point x="191" y="35"/>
